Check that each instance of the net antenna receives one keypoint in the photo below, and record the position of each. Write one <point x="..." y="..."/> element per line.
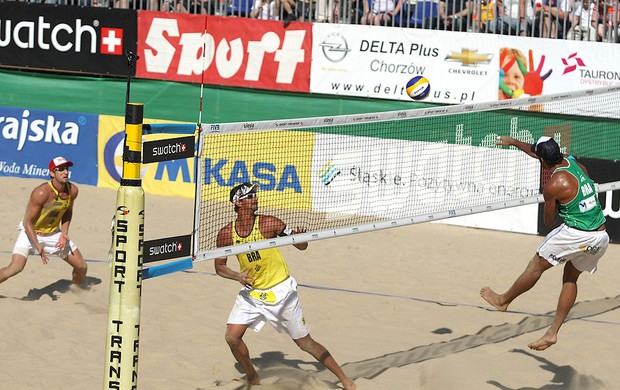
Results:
<point x="350" y="174"/>
<point x="199" y="124"/>
<point x="202" y="74"/>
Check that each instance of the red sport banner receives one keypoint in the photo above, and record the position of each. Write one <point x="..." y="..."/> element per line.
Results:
<point x="239" y="52"/>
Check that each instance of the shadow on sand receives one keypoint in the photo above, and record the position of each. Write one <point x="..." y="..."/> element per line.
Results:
<point x="59" y="287"/>
<point x="564" y="378"/>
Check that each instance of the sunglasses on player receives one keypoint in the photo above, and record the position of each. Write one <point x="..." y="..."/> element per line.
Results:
<point x="61" y="169"/>
<point x="248" y="196"/>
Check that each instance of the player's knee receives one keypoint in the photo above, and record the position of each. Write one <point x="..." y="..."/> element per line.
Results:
<point x="81" y="267"/>
<point x="13" y="269"/>
<point x="232" y="341"/>
<point x="307" y="344"/>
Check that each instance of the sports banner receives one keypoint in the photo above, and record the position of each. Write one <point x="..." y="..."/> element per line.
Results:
<point x="377" y="62"/>
<point x="66" y="38"/>
<point x="549" y="66"/>
<point x="382" y="177"/>
<point x="278" y="161"/>
<point x="240" y="52"/>
<point x="175" y="177"/>
<point x="29" y="139"/>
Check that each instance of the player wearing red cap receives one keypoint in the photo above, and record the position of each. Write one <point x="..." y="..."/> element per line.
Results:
<point x="44" y="229"/>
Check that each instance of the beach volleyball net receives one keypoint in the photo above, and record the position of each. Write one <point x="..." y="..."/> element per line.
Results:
<point x="349" y="174"/>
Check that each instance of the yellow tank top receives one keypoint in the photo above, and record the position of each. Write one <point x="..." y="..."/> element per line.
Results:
<point x="487" y="11"/>
<point x="267" y="266"/>
<point x="51" y="214"/>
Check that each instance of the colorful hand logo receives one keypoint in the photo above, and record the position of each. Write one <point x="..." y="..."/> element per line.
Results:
<point x="533" y="80"/>
<point x="533" y="85"/>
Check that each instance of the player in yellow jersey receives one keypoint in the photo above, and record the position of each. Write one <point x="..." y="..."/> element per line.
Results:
<point x="578" y="243"/>
<point x="45" y="227"/>
<point x="269" y="293"/>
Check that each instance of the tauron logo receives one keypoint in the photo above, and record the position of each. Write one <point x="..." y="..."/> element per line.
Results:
<point x="571" y="62"/>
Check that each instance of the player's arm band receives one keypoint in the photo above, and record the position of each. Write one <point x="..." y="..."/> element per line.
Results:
<point x="287" y="231"/>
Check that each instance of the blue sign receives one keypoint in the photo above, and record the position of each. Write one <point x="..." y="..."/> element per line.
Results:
<point x="30" y="138"/>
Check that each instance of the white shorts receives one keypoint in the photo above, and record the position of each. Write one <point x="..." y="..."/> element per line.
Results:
<point x="583" y="249"/>
<point x="24" y="247"/>
<point x="279" y="306"/>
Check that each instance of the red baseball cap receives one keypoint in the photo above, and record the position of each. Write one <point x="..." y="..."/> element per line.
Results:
<point x="59" y="162"/>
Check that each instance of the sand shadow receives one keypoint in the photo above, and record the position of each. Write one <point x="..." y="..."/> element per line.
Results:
<point x="280" y="373"/>
<point x="564" y="377"/>
<point x="61" y="286"/>
<point x="272" y="359"/>
<point x="373" y="367"/>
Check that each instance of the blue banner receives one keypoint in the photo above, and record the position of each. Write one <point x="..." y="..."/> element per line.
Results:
<point x="29" y="139"/>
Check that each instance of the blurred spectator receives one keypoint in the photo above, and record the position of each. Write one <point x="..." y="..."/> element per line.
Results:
<point x="264" y="9"/>
<point x="434" y="18"/>
<point x="290" y="11"/>
<point x="515" y="17"/>
<point x="473" y="17"/>
<point x="485" y="12"/>
<point x="381" y="13"/>
<point x="584" y="21"/>
<point x="553" y="18"/>
<point x="327" y="11"/>
<point x="199" y="7"/>
<point x="458" y="16"/>
<point x="608" y="20"/>
<point x="137" y="4"/>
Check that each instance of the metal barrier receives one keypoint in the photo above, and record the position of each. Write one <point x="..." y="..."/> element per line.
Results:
<point x="587" y="20"/>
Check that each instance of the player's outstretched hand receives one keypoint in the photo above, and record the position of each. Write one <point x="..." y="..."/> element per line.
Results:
<point x="503" y="140"/>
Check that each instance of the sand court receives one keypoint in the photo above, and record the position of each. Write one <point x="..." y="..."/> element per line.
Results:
<point x="398" y="309"/>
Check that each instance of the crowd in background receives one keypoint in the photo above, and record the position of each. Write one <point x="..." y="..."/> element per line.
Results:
<point x="587" y="20"/>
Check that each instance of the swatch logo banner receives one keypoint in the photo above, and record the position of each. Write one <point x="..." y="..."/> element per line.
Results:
<point x="168" y="149"/>
<point x="60" y="38"/>
<point x="167" y="248"/>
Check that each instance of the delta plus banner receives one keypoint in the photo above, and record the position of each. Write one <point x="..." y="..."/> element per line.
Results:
<point x="66" y="38"/>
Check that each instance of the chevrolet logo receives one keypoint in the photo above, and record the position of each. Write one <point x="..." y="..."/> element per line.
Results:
<point x="469" y="57"/>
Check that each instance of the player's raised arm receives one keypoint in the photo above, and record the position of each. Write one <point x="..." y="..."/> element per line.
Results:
<point x="504" y="140"/>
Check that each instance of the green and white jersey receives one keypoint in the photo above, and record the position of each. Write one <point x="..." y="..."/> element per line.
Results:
<point x="584" y="211"/>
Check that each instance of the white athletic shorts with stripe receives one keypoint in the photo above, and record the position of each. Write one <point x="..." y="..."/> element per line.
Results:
<point x="279" y="306"/>
<point x="581" y="248"/>
<point x="24" y="247"/>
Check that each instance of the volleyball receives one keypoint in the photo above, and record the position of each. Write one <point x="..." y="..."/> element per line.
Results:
<point x="418" y="88"/>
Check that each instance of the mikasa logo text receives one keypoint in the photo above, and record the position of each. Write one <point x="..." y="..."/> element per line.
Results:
<point x="61" y="37"/>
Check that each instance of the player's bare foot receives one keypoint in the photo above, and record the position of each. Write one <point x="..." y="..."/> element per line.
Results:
<point x="543" y="343"/>
<point x="78" y="288"/>
<point x="493" y="298"/>
<point x="252" y="379"/>
<point x="349" y="385"/>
